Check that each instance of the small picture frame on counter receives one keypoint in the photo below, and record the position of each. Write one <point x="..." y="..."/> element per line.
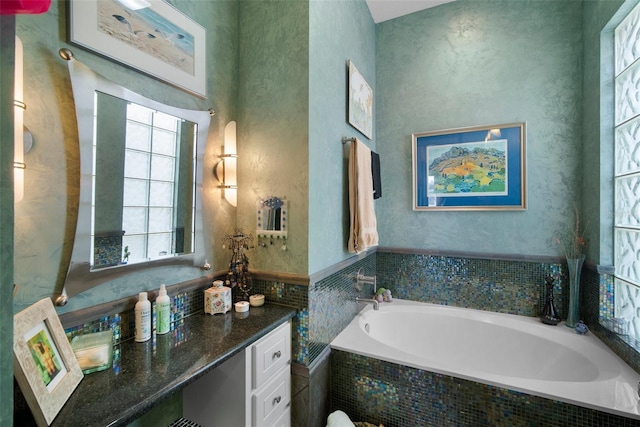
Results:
<point x="44" y="364"/>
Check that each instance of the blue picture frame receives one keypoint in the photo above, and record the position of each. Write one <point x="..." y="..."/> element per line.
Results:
<point x="472" y="168"/>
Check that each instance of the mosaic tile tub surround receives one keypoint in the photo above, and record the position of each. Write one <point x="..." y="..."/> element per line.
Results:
<point x="393" y="395"/>
<point x="508" y="286"/>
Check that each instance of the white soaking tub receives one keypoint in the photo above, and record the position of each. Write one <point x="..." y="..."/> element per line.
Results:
<point x="514" y="352"/>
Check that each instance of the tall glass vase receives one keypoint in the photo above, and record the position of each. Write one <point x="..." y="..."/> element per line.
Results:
<point x="575" y="268"/>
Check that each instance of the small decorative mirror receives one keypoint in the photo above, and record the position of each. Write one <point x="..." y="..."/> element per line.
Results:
<point x="271" y="218"/>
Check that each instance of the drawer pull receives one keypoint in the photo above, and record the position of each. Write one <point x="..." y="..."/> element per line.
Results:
<point x="276" y="355"/>
<point x="277" y="400"/>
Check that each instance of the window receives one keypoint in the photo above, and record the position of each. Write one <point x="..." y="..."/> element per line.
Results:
<point x="627" y="171"/>
<point x="151" y="158"/>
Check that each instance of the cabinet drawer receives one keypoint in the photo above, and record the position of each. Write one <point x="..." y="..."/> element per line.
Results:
<point x="285" y="419"/>
<point x="270" y="402"/>
<point x="270" y="354"/>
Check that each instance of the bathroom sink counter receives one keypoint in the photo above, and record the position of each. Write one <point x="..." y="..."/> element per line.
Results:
<point x="151" y="371"/>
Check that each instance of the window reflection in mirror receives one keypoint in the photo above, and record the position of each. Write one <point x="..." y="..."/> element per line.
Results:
<point x="143" y="205"/>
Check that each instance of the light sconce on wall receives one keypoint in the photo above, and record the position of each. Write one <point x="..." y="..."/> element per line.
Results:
<point x="226" y="170"/>
<point x="21" y="136"/>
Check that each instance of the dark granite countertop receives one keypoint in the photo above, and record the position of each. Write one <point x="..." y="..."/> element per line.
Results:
<point x="150" y="371"/>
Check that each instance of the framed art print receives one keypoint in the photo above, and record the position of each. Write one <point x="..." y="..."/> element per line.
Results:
<point x="360" y="102"/>
<point x="148" y="35"/>
<point x="474" y="168"/>
<point x="44" y="364"/>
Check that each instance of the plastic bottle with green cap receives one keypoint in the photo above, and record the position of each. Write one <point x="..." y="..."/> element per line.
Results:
<point x="163" y="311"/>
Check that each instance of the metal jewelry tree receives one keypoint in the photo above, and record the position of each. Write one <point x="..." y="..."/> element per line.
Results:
<point x="238" y="278"/>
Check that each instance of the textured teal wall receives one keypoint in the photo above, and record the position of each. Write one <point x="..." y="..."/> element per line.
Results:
<point x="273" y="126"/>
<point x="7" y="27"/>
<point x="339" y="31"/>
<point x="472" y="63"/>
<point x="45" y="219"/>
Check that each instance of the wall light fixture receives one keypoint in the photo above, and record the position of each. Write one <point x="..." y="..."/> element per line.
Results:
<point x="226" y="170"/>
<point x="18" y="127"/>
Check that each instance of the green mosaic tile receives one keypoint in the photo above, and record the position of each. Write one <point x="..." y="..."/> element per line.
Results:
<point x="332" y="304"/>
<point x="385" y="393"/>
<point x="515" y="287"/>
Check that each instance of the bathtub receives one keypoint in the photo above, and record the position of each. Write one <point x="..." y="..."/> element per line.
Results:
<point x="512" y="352"/>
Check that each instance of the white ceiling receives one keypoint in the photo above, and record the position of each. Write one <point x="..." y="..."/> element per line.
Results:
<point x="383" y="10"/>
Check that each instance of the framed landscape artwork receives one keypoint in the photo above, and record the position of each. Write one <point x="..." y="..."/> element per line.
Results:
<point x="474" y="168"/>
<point x="44" y="364"/>
<point x="148" y="35"/>
<point x="360" y="102"/>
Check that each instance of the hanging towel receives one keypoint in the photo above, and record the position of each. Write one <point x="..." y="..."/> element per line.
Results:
<point x="375" y="174"/>
<point x="363" y="233"/>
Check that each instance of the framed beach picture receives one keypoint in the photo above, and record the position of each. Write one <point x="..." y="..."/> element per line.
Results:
<point x="360" y="109"/>
<point x="148" y="35"/>
<point x="44" y="364"/>
<point x="474" y="168"/>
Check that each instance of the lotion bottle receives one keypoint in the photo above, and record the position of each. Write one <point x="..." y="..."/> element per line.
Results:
<point x="163" y="311"/>
<point x="143" y="318"/>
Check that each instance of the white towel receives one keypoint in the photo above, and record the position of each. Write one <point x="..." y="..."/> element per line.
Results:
<point x="339" y="419"/>
<point x="364" y="232"/>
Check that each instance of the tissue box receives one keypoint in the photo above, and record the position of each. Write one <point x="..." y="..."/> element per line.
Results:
<point x="217" y="299"/>
<point x="94" y="352"/>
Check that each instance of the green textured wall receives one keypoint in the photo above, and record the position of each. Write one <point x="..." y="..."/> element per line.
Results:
<point x="273" y="124"/>
<point x="7" y="27"/>
<point x="339" y="31"/>
<point x="472" y="63"/>
<point x="45" y="219"/>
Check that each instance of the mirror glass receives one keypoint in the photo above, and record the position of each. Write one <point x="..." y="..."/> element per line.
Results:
<point x="143" y="185"/>
<point x="140" y="182"/>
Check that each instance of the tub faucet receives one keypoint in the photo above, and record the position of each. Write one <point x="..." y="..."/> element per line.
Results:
<point x="361" y="279"/>
<point x="376" y="305"/>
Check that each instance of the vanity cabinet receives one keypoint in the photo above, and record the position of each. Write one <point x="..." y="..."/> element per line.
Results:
<point x="251" y="389"/>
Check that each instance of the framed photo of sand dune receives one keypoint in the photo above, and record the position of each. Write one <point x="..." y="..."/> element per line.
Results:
<point x="44" y="364"/>
<point x="473" y="168"/>
<point x="151" y="36"/>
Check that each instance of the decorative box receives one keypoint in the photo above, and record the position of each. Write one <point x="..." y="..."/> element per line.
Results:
<point x="217" y="299"/>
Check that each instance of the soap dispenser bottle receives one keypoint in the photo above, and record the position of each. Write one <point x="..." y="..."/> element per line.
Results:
<point x="143" y="318"/>
<point x="163" y="311"/>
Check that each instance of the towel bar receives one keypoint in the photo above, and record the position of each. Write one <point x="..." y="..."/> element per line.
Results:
<point x="345" y="139"/>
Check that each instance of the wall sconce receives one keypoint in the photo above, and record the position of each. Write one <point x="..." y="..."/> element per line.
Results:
<point x="18" y="127"/>
<point x="226" y="170"/>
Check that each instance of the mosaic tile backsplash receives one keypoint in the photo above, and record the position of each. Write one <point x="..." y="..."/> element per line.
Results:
<point x="332" y="304"/>
<point x="514" y="287"/>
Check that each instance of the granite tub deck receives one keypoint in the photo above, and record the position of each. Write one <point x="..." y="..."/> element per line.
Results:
<point x="153" y="370"/>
